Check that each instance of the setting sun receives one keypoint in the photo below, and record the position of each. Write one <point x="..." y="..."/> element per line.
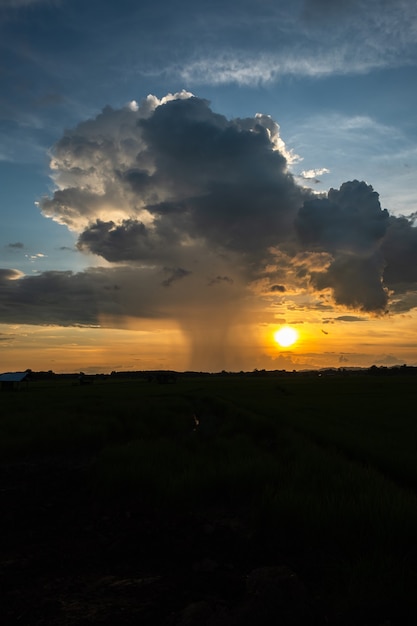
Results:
<point x="286" y="336"/>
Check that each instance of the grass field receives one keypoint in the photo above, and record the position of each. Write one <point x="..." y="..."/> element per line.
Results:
<point x="324" y="469"/>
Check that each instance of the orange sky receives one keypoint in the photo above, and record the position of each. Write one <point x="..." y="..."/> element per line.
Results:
<point x="388" y="341"/>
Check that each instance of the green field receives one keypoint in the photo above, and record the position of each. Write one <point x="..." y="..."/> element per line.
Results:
<point x="323" y="469"/>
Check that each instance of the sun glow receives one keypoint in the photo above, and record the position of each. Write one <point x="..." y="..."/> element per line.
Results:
<point x="286" y="336"/>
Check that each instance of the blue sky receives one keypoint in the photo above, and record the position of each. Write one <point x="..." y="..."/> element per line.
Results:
<point x="338" y="78"/>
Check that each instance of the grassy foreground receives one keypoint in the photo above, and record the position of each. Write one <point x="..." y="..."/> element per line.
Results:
<point x="323" y="470"/>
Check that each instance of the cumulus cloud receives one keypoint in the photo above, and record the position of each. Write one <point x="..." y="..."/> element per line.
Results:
<point x="128" y="241"/>
<point x="350" y="224"/>
<point x="167" y="185"/>
<point x="148" y="181"/>
<point x="314" y="173"/>
<point x="9" y="274"/>
<point x="195" y="215"/>
<point x="349" y="219"/>
<point x="400" y="253"/>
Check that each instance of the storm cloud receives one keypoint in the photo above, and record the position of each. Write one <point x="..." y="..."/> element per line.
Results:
<point x="167" y="173"/>
<point x="349" y="219"/>
<point x="399" y="249"/>
<point x="190" y="210"/>
<point x="349" y="224"/>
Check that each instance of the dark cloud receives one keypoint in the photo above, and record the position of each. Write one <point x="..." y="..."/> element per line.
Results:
<point x="218" y="280"/>
<point x="400" y="253"/>
<point x="50" y="298"/>
<point x="349" y="219"/>
<point x="98" y="296"/>
<point x="372" y="251"/>
<point x="17" y="245"/>
<point x="174" y="274"/>
<point x="138" y="179"/>
<point x="403" y="301"/>
<point x="349" y="318"/>
<point x="278" y="288"/>
<point x="128" y="241"/>
<point x="230" y="185"/>
<point x="356" y="283"/>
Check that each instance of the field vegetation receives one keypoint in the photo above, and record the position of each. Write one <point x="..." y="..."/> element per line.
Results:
<point x="321" y="470"/>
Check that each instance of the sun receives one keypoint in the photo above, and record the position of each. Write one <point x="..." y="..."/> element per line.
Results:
<point x="286" y="336"/>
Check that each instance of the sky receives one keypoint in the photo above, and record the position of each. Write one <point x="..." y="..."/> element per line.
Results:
<point x="179" y="180"/>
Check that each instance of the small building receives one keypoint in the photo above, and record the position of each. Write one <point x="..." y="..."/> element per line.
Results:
<point x="85" y="379"/>
<point x="13" y="380"/>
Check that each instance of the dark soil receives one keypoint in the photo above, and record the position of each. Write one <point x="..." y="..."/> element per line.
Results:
<point x="67" y="557"/>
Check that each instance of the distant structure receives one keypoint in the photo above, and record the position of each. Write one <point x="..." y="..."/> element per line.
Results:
<point x="12" y="380"/>
<point x="85" y="379"/>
